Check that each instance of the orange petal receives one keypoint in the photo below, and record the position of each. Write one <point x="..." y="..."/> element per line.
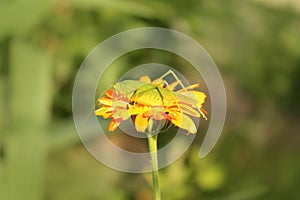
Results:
<point x="141" y="122"/>
<point x="113" y="125"/>
<point x="109" y="93"/>
<point x="204" y="111"/>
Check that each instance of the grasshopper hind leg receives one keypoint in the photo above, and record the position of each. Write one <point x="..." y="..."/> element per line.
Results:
<point x="172" y="85"/>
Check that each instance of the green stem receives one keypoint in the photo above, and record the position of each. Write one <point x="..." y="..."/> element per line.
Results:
<point x="152" y="140"/>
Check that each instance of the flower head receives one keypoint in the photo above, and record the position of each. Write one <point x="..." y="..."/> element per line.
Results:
<point x="149" y="102"/>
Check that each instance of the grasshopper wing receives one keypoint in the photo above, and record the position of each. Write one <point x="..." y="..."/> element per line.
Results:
<point x="127" y="88"/>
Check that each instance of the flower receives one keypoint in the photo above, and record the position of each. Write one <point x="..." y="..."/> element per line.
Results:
<point x="149" y="102"/>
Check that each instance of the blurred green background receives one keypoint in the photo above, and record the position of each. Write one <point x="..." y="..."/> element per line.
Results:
<point x="256" y="45"/>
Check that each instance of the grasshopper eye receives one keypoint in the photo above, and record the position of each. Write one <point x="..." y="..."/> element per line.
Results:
<point x="132" y="103"/>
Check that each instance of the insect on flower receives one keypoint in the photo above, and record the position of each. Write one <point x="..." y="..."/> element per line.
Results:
<point x="147" y="102"/>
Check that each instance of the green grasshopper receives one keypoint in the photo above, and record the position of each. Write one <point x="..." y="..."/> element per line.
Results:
<point x="149" y="101"/>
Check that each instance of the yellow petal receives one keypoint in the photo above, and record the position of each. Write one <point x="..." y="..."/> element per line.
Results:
<point x="189" y="110"/>
<point x="108" y="114"/>
<point x="173" y="108"/>
<point x="141" y="122"/>
<point x="195" y="95"/>
<point x="195" y="99"/>
<point x="105" y="101"/>
<point x="113" y="125"/>
<point x="136" y="109"/>
<point x="200" y="97"/>
<point x="183" y="121"/>
<point x="101" y="111"/>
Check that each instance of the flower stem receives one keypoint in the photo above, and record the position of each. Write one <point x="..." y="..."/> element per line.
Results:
<point x="152" y="140"/>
